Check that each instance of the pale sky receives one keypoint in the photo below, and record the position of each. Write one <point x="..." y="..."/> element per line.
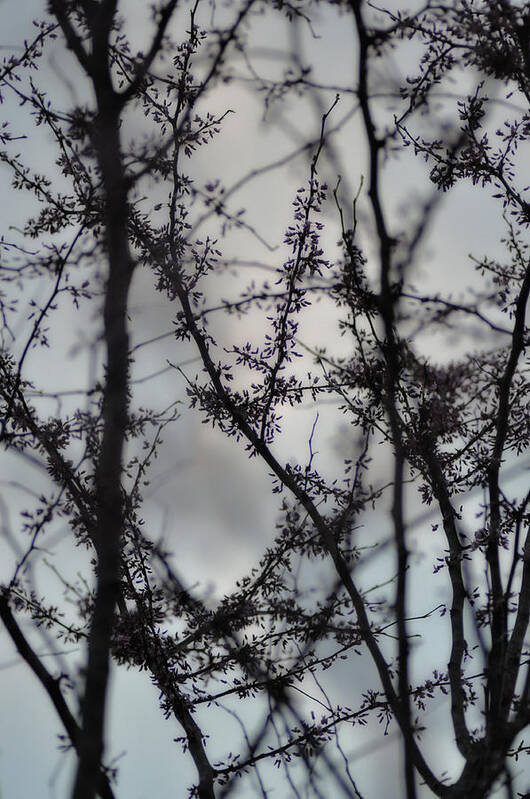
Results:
<point x="211" y="505"/>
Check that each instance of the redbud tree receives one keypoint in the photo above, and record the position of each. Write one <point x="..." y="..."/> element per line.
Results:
<point x="401" y="548"/>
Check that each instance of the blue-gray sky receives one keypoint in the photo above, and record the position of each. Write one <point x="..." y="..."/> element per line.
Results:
<point x="209" y="503"/>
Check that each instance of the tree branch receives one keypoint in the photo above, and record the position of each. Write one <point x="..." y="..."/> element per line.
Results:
<point x="51" y="685"/>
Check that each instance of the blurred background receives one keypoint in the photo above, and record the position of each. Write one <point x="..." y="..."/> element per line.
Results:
<point x="207" y="502"/>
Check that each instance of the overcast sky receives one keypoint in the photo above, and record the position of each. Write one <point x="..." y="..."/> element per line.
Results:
<point x="209" y="503"/>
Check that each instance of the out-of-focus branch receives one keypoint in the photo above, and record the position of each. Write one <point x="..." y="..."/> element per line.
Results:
<point x="506" y="669"/>
<point x="166" y="14"/>
<point x="458" y="643"/>
<point x="392" y="371"/>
